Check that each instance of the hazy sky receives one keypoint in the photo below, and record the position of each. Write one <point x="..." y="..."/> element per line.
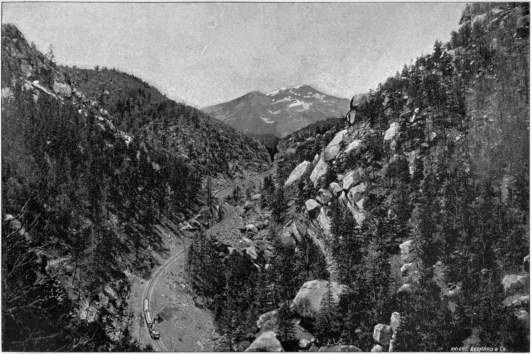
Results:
<point x="208" y="53"/>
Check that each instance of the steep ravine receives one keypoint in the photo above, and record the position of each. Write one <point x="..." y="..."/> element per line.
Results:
<point x="185" y="324"/>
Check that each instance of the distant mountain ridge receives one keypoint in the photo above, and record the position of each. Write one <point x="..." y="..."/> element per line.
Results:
<point x="280" y="112"/>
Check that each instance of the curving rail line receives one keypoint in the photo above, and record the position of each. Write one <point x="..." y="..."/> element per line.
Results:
<point x="148" y="293"/>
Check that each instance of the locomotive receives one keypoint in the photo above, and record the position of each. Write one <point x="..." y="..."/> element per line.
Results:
<point x="149" y="321"/>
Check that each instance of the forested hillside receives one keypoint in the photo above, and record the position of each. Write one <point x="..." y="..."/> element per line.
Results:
<point x="86" y="180"/>
<point x="419" y="211"/>
<point x="139" y="109"/>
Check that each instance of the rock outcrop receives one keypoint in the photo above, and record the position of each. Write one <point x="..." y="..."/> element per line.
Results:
<point x="266" y="342"/>
<point x="333" y="148"/>
<point x="391" y="133"/>
<point x="312" y="206"/>
<point x="512" y="282"/>
<point x="354" y="146"/>
<point x="297" y="173"/>
<point x="406" y="248"/>
<point x="352" y="178"/>
<point x="307" y="302"/>
<point x="377" y="349"/>
<point x="290" y="235"/>
<point x="382" y="334"/>
<point x="266" y="318"/>
<point x="335" y="188"/>
<point x="319" y="170"/>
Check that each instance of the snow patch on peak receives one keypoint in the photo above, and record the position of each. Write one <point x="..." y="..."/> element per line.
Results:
<point x="292" y="89"/>
<point x="283" y="100"/>
<point x="305" y="105"/>
<point x="274" y="112"/>
<point x="276" y="92"/>
<point x="268" y="121"/>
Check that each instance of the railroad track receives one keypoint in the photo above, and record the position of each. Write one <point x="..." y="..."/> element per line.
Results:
<point x="148" y="293"/>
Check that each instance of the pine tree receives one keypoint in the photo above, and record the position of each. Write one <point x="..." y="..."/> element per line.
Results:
<point x="278" y="205"/>
<point x="286" y="328"/>
<point x="328" y="324"/>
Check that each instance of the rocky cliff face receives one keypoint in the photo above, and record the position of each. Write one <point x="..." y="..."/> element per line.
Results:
<point x="414" y="182"/>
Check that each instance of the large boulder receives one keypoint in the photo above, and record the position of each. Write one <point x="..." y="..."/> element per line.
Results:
<point x="360" y="203"/>
<point x="516" y="300"/>
<point x="408" y="268"/>
<point x="302" y="334"/>
<point x="356" y="193"/>
<point x="325" y="196"/>
<point x="7" y="93"/>
<point x="298" y="172"/>
<point x="335" y="188"/>
<point x="405" y="288"/>
<point x="248" y="205"/>
<point x="62" y="89"/>
<point x="312" y="206"/>
<point x="84" y="305"/>
<point x="451" y="293"/>
<point x="103" y="299"/>
<point x="110" y="292"/>
<point x="343" y="198"/>
<point x="395" y="321"/>
<point x="406" y="249"/>
<point x="319" y="171"/>
<point x="26" y="70"/>
<point x="304" y="344"/>
<point x="523" y="316"/>
<point x="290" y="235"/>
<point x="268" y="321"/>
<point x="333" y="148"/>
<point x="355" y="145"/>
<point x="266" y="342"/>
<point x="307" y="302"/>
<point x="474" y="340"/>
<point x="377" y="349"/>
<point x="382" y="334"/>
<point x="315" y="159"/>
<point x="412" y="157"/>
<point x="352" y="178"/>
<point x="514" y="282"/>
<point x="391" y="133"/>
<point x="357" y="213"/>
<point x="251" y="229"/>
<point x="92" y="314"/>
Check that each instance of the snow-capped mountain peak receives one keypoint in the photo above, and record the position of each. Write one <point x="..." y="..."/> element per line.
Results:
<point x="279" y="112"/>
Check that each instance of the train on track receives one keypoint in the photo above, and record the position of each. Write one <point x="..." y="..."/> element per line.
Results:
<point x="149" y="321"/>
